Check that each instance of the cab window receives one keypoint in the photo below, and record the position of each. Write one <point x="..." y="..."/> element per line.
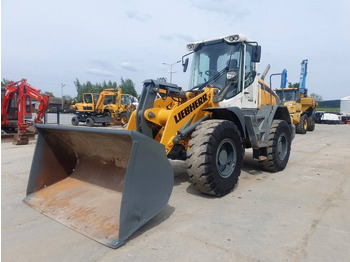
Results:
<point x="88" y="98"/>
<point x="250" y="67"/>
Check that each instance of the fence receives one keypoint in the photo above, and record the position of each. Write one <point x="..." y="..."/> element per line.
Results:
<point x="58" y="118"/>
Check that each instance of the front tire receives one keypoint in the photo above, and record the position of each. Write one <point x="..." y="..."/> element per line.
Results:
<point x="124" y="118"/>
<point x="278" y="147"/>
<point x="215" y="157"/>
<point x="75" y="121"/>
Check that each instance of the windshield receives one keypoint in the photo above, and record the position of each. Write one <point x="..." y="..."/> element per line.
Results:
<point x="212" y="61"/>
<point x="88" y="98"/>
<point x="126" y="100"/>
<point x="288" y="95"/>
<point x="110" y="99"/>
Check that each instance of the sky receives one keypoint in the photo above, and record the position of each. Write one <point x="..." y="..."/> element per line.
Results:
<point x="53" y="43"/>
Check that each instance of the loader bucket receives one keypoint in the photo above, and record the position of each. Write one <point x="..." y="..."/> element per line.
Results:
<point x="102" y="183"/>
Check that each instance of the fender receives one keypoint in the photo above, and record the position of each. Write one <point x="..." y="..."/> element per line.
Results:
<point x="281" y="112"/>
<point x="233" y="114"/>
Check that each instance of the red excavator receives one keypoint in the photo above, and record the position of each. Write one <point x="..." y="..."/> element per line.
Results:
<point x="16" y="104"/>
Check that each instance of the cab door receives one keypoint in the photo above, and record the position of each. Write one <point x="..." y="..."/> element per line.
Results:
<point x="88" y="102"/>
<point x="250" y="80"/>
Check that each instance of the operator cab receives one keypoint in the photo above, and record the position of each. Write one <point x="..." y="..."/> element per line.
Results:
<point x="229" y="64"/>
<point x="288" y="94"/>
<point x="125" y="100"/>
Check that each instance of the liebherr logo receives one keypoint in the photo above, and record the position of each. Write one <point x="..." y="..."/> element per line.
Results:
<point x="187" y="110"/>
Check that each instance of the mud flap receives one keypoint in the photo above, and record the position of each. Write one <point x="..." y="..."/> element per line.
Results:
<point x="103" y="183"/>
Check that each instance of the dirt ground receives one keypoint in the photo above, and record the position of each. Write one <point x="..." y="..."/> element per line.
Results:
<point x="299" y="214"/>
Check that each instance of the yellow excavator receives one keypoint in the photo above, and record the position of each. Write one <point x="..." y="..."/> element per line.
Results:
<point x="106" y="107"/>
<point x="107" y="183"/>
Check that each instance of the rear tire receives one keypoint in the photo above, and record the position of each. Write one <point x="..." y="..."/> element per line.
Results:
<point x="75" y="121"/>
<point x="215" y="157"/>
<point x="311" y="123"/>
<point x="278" y="147"/>
<point x="89" y="122"/>
<point x="301" y="127"/>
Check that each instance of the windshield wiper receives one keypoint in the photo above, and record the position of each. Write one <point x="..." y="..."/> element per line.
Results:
<point x="213" y="78"/>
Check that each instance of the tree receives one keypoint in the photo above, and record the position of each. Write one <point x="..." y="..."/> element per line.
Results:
<point x="295" y="85"/>
<point x="49" y="93"/>
<point x="4" y="82"/>
<point x="128" y="87"/>
<point x="67" y="101"/>
<point x="318" y="98"/>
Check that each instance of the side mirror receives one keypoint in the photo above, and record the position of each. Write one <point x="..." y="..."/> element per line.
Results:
<point x="256" y="55"/>
<point x="184" y="65"/>
<point x="231" y="76"/>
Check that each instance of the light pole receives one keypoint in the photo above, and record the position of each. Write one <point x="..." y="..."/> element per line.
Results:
<point x="171" y="68"/>
<point x="62" y="85"/>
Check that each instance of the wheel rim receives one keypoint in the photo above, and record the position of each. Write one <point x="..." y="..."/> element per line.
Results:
<point x="89" y="122"/>
<point x="226" y="158"/>
<point x="305" y="124"/>
<point x="124" y="119"/>
<point x="282" y="146"/>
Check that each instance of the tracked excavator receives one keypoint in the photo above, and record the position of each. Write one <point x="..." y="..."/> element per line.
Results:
<point x="17" y="105"/>
<point x="106" y="183"/>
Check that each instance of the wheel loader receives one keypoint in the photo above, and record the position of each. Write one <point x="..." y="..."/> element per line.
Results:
<point x="106" y="183"/>
<point x="107" y="106"/>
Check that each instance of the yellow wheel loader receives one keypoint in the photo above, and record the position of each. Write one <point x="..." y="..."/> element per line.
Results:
<point x="107" y="183"/>
<point x="106" y="107"/>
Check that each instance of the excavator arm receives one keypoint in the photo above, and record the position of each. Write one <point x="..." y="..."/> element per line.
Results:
<point x="100" y="102"/>
<point x="43" y="99"/>
<point x="27" y="92"/>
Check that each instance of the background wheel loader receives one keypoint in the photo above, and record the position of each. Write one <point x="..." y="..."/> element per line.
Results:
<point x="300" y="106"/>
<point x="108" y="183"/>
<point x="108" y="106"/>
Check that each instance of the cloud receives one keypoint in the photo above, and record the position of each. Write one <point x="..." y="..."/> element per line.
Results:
<point x="181" y="37"/>
<point x="102" y="63"/>
<point x="234" y="10"/>
<point x="99" y="72"/>
<point x="136" y="16"/>
<point x="128" y="66"/>
<point x="100" y="67"/>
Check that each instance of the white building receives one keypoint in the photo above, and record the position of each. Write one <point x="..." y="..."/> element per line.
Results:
<point x="345" y="105"/>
